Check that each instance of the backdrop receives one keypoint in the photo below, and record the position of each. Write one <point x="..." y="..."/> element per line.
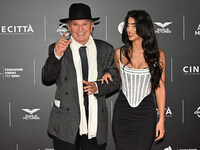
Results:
<point x="28" y="27"/>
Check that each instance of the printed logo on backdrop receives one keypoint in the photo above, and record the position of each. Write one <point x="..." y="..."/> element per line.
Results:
<point x="16" y="29"/>
<point x="191" y="70"/>
<point x="197" y="32"/>
<point x="11" y="72"/>
<point x="163" y="28"/>
<point x="168" y="148"/>
<point x="168" y="112"/>
<point x="31" y="114"/>
<point x="63" y="29"/>
<point x="197" y="112"/>
<point x="120" y="27"/>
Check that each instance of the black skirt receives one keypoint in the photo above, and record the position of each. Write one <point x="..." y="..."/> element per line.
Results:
<point x="134" y="127"/>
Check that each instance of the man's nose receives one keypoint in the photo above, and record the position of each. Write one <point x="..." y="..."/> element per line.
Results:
<point x="80" y="28"/>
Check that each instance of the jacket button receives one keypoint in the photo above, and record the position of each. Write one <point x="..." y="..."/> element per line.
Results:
<point x="66" y="93"/>
<point x="65" y="78"/>
<point x="67" y="108"/>
<point x="102" y="110"/>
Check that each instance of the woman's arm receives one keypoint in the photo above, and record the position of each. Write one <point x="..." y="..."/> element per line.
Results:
<point x="161" y="96"/>
<point x="107" y="75"/>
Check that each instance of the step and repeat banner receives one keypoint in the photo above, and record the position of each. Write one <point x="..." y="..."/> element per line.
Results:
<point x="28" y="27"/>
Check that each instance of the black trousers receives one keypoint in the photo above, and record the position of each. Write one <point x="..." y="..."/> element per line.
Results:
<point x="81" y="143"/>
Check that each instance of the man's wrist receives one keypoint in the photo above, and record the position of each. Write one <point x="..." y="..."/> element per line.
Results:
<point x="58" y="56"/>
<point x="97" y="92"/>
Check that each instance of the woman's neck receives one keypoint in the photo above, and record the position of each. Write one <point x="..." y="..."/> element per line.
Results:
<point x="137" y="46"/>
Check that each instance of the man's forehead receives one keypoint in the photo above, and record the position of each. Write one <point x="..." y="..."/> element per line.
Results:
<point x="80" y="21"/>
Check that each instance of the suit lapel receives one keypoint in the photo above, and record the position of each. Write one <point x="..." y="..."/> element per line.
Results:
<point x="99" y="59"/>
<point x="69" y="62"/>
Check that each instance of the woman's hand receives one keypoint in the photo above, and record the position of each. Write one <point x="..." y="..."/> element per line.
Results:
<point x="105" y="78"/>
<point x="160" y="130"/>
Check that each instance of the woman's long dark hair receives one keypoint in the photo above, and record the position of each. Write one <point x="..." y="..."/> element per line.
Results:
<point x="144" y="29"/>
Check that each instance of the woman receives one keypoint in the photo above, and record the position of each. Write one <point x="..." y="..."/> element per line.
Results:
<point x="142" y="68"/>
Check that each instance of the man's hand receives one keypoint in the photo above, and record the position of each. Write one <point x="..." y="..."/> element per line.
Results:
<point x="90" y="87"/>
<point x="61" y="45"/>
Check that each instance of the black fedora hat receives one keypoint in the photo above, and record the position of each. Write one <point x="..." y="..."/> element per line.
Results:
<point x="79" y="11"/>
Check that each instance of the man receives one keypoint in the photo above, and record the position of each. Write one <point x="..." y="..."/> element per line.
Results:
<point x="78" y="117"/>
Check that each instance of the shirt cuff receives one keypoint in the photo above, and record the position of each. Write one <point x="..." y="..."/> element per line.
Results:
<point x="97" y="92"/>
<point x="58" y="57"/>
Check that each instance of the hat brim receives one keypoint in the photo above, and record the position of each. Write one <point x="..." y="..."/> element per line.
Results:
<point x="65" y="20"/>
<point x="95" y="23"/>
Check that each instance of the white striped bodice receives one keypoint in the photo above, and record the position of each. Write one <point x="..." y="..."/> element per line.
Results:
<point x="136" y="84"/>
